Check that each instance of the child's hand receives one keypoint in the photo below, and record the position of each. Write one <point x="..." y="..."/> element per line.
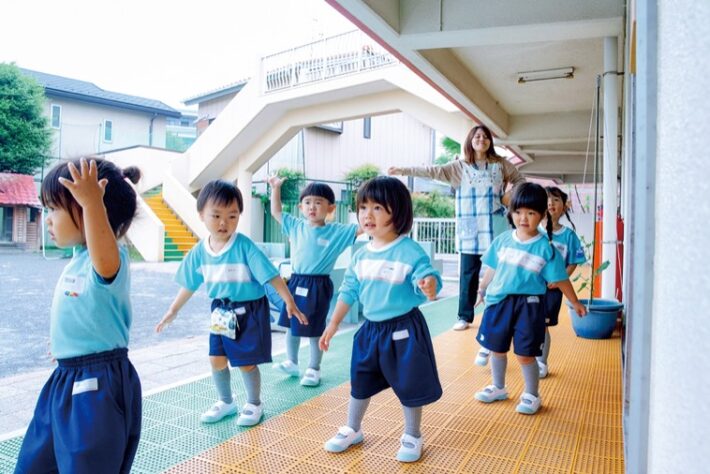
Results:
<point x="393" y="171"/>
<point x="481" y="297"/>
<point x="293" y="311"/>
<point x="275" y="181"/>
<point x="165" y="322"/>
<point x="579" y="308"/>
<point x="324" y="341"/>
<point x="428" y="286"/>
<point x="85" y="187"/>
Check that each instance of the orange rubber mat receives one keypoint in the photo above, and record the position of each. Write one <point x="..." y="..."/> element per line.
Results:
<point x="578" y="429"/>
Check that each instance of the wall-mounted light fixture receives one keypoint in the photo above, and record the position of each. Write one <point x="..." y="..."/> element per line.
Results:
<point x="546" y="74"/>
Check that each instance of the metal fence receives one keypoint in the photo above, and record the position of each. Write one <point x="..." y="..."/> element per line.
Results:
<point x="440" y="231"/>
<point x="335" y="56"/>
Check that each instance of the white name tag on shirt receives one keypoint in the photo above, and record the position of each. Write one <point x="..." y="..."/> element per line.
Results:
<point x="300" y="291"/>
<point x="73" y="285"/>
<point x="402" y="334"/>
<point x="86" y="385"/>
<point x="323" y="242"/>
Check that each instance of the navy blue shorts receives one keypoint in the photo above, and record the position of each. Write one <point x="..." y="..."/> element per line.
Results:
<point x="553" y="304"/>
<point x="87" y="418"/>
<point x="252" y="345"/>
<point x="312" y="294"/>
<point x="518" y="318"/>
<point x="395" y="353"/>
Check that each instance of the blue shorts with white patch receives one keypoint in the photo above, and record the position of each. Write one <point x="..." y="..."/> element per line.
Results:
<point x="553" y="304"/>
<point x="517" y="318"/>
<point x="395" y="353"/>
<point x="312" y="294"/>
<point x="252" y="345"/>
<point x="87" y="419"/>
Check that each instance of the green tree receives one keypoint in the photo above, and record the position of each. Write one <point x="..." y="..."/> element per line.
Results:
<point x="25" y="137"/>
<point x="433" y="204"/>
<point x="359" y="175"/>
<point x="452" y="149"/>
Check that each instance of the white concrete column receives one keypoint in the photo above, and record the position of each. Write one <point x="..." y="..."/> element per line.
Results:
<point x="246" y="223"/>
<point x="611" y="114"/>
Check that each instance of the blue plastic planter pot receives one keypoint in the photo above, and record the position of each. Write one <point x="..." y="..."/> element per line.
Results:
<point x="600" y="321"/>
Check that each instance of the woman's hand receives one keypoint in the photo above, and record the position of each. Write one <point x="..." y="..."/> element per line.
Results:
<point x="394" y="171"/>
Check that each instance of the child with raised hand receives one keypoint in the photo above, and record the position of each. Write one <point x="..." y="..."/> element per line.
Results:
<point x="391" y="277"/>
<point x="520" y="264"/>
<point x="88" y="415"/>
<point x="569" y="246"/>
<point x="315" y="246"/>
<point x="234" y="272"/>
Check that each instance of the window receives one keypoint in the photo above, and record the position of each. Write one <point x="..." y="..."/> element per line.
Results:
<point x="56" y="116"/>
<point x="108" y="131"/>
<point x="367" y="127"/>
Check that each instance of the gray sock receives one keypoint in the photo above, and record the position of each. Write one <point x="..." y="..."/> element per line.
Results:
<point x="531" y="375"/>
<point x="545" y="348"/>
<point x="356" y="412"/>
<point x="412" y="422"/>
<point x="292" y="344"/>
<point x="316" y="354"/>
<point x="222" y="381"/>
<point x="498" y="367"/>
<point x="252" y="384"/>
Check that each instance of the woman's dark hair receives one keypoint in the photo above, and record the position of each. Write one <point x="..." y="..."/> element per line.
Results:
<point x="558" y="193"/>
<point x="318" y="190"/>
<point x="119" y="196"/>
<point x="394" y="195"/>
<point x="531" y="196"/>
<point x="468" y="153"/>
<point x="220" y="193"/>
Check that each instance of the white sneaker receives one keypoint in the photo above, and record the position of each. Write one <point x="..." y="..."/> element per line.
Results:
<point x="343" y="439"/>
<point x="218" y="411"/>
<point x="542" y="369"/>
<point x="288" y="368"/>
<point x="250" y="415"/>
<point x="409" y="454"/>
<point x="461" y="325"/>
<point x="311" y="378"/>
<point x="491" y="394"/>
<point x="483" y="356"/>
<point x="529" y="404"/>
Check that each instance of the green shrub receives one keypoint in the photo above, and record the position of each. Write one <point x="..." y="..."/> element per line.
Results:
<point x="359" y="175"/>
<point x="433" y="204"/>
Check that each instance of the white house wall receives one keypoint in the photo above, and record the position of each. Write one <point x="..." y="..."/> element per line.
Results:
<point x="82" y="124"/>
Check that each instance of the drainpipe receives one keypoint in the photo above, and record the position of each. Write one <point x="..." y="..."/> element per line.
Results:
<point x="150" y="130"/>
<point x="610" y="184"/>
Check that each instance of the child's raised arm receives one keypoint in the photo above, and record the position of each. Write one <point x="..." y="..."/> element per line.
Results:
<point x="183" y="295"/>
<point x="88" y="192"/>
<point x="276" y="210"/>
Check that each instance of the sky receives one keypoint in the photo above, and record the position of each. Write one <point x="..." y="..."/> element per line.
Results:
<point x="158" y="49"/>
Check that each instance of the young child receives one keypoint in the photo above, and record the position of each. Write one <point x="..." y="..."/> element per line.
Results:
<point x="391" y="277"/>
<point x="88" y="416"/>
<point x="520" y="264"/>
<point x="234" y="272"/>
<point x="315" y="246"/>
<point x="569" y="246"/>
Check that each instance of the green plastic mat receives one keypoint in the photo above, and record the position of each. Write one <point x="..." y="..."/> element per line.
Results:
<point x="172" y="432"/>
